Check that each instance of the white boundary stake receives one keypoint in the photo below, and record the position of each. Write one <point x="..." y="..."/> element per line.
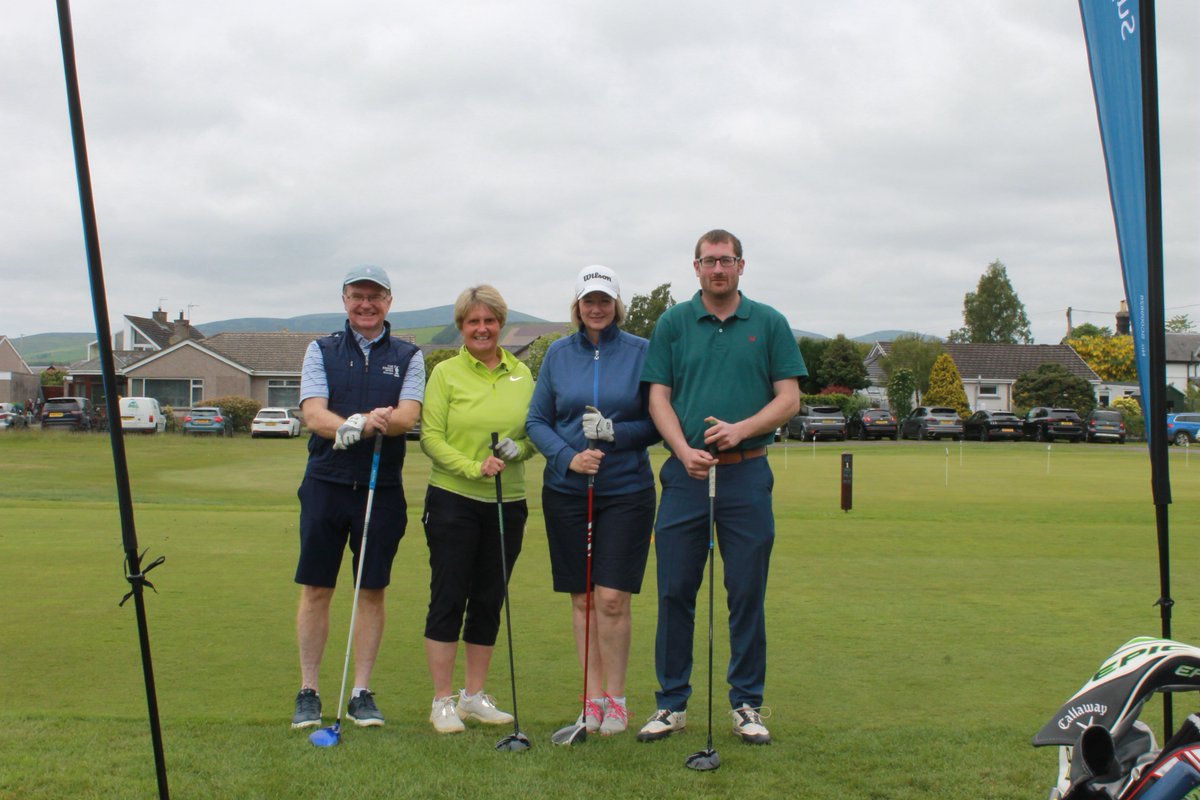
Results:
<point x="1048" y="459"/>
<point x="947" y="466"/>
<point x="960" y="446"/>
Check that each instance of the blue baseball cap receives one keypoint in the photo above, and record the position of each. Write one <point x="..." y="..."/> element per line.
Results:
<point x="368" y="273"/>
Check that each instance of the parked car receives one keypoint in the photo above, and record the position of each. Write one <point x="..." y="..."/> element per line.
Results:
<point x="817" y="422"/>
<point x="1047" y="424"/>
<point x="208" y="419"/>
<point x="873" y="423"/>
<point x="1183" y="429"/>
<point x="274" y="422"/>
<point x="932" y="422"/>
<point x="986" y="425"/>
<point x="72" y="413"/>
<point x="142" y="414"/>
<point x="415" y="433"/>
<point x="1104" y="423"/>
<point x="11" y="417"/>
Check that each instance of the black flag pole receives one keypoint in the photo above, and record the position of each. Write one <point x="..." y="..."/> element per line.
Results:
<point x="135" y="573"/>
<point x="1156" y="408"/>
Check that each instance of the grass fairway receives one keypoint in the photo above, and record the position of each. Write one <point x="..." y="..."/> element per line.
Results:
<point x="917" y="642"/>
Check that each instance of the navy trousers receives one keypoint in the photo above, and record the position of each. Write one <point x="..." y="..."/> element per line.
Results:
<point x="745" y="535"/>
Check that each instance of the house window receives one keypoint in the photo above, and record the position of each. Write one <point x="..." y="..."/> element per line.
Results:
<point x="177" y="393"/>
<point x="283" y="392"/>
<point x="989" y="390"/>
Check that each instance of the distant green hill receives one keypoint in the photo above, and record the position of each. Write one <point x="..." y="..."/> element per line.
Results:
<point x="60" y="349"/>
<point x="44" y="349"/>
<point x="325" y="323"/>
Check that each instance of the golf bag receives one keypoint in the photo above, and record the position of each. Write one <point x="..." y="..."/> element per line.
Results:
<point x="1105" y="752"/>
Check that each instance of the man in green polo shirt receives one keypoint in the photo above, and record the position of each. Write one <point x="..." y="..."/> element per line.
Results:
<point x="723" y="373"/>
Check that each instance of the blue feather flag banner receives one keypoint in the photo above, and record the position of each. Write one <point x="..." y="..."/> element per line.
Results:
<point x="1111" y="28"/>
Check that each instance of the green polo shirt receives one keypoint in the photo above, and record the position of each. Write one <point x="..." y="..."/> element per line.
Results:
<point x="464" y="403"/>
<point x="721" y="368"/>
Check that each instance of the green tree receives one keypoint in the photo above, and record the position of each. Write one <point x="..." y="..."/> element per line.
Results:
<point x="945" y="386"/>
<point x="914" y="353"/>
<point x="1055" y="386"/>
<point x="900" y="389"/>
<point x="644" y="310"/>
<point x="993" y="313"/>
<point x="842" y="364"/>
<point x="1110" y="357"/>
<point x="813" y="353"/>
<point x="1180" y="324"/>
<point x="538" y="347"/>
<point x="1087" y="330"/>
<point x="435" y="357"/>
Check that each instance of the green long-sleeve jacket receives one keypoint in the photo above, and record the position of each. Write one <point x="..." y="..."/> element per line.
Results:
<point x="465" y="403"/>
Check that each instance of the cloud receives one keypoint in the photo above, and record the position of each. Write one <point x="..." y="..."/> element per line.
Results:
<point x="874" y="157"/>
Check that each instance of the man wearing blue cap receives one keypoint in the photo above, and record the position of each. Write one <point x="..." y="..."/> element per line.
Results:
<point x="356" y="384"/>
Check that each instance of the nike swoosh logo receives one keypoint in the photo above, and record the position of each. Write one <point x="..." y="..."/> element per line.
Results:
<point x="515" y="377"/>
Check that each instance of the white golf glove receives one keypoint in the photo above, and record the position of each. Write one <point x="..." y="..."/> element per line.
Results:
<point x="596" y="425"/>
<point x="506" y="449"/>
<point x="350" y="432"/>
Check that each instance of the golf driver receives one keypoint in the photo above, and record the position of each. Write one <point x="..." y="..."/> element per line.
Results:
<point x="707" y="759"/>
<point x="515" y="741"/>
<point x="577" y="733"/>
<point x="328" y="737"/>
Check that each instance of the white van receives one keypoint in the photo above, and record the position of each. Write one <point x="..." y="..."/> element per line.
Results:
<point x="142" y="414"/>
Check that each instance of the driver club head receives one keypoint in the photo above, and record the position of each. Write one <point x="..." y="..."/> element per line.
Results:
<point x="514" y="743"/>
<point x="326" y="737"/>
<point x="704" y="760"/>
<point x="571" y="734"/>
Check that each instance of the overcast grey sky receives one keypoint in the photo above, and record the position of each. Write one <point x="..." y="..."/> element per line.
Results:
<point x="873" y="156"/>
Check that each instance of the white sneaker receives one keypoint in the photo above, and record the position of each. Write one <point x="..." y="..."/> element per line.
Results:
<point x="747" y="725"/>
<point x="616" y="717"/>
<point x="662" y="724"/>
<point x="592" y="715"/>
<point x="444" y="716"/>
<point x="481" y="708"/>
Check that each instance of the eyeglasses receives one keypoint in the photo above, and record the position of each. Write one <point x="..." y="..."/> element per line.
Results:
<point x="708" y="262"/>
<point x="374" y="299"/>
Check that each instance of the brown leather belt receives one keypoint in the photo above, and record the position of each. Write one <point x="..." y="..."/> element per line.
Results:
<point x="738" y="456"/>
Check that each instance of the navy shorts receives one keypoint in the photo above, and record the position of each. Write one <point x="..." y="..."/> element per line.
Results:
<point x="621" y="526"/>
<point x="332" y="514"/>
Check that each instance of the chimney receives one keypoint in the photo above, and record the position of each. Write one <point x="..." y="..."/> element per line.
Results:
<point x="159" y="316"/>
<point x="179" y="330"/>
<point x="1123" y="319"/>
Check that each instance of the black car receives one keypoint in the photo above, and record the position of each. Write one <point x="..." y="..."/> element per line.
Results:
<point x="72" y="413"/>
<point x="987" y="425"/>
<point x="873" y="423"/>
<point x="932" y="422"/>
<point x="1103" y="424"/>
<point x="817" y="422"/>
<point x="1047" y="424"/>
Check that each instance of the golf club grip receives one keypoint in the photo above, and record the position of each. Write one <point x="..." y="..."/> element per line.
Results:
<point x="375" y="461"/>
<point x="499" y="491"/>
<point x="712" y="472"/>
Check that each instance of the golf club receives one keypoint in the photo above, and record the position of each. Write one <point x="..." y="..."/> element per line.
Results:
<point x="577" y="733"/>
<point x="707" y="759"/>
<point x="328" y="737"/>
<point x="515" y="741"/>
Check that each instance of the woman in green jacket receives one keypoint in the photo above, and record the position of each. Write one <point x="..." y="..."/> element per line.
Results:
<point x="481" y="391"/>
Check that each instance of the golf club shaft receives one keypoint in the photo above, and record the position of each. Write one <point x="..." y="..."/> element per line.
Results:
<point x="362" y="557"/>
<point x="587" y="603"/>
<point x="512" y="670"/>
<point x="712" y="535"/>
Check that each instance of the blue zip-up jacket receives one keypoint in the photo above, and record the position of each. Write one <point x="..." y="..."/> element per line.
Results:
<point x="356" y="384"/>
<point x="575" y="374"/>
